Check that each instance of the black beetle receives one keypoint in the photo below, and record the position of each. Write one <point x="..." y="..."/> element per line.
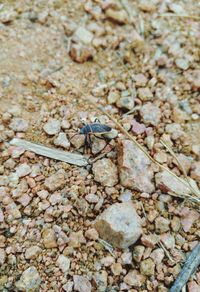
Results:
<point x="93" y="129"/>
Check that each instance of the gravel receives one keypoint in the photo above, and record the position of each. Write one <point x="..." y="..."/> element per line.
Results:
<point x="143" y="71"/>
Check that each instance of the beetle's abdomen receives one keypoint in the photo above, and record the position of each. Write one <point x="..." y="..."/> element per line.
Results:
<point x="95" y="128"/>
<point x="99" y="128"/>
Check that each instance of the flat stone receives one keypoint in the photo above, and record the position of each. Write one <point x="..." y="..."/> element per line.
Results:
<point x="92" y="234"/>
<point x="101" y="279"/>
<point x="13" y="211"/>
<point x="149" y="240"/>
<point x="30" y="280"/>
<point x="118" y="16"/>
<point x="166" y="182"/>
<point x="113" y="96"/>
<point x="126" y="258"/>
<point x="151" y="114"/>
<point x="49" y="238"/>
<point x="76" y="239"/>
<point x="84" y="35"/>
<point x="82" y="284"/>
<point x="119" y="224"/>
<point x="105" y="172"/>
<point x="32" y="252"/>
<point x="168" y="240"/>
<point x="107" y="261"/>
<point x="138" y="252"/>
<point x="147" y="267"/>
<point x="17" y="152"/>
<point x="19" y="125"/>
<point x="116" y="269"/>
<point x="162" y="224"/>
<point x="55" y="181"/>
<point x="157" y="255"/>
<point x="135" y="170"/>
<point x="4" y="181"/>
<point x="137" y="128"/>
<point x="52" y="127"/>
<point x="145" y="94"/>
<point x="182" y="63"/>
<point x="68" y="287"/>
<point x="175" y="130"/>
<point x="126" y="102"/>
<point x="23" y="170"/>
<point x="63" y="263"/>
<point x="188" y="217"/>
<point x="140" y="80"/>
<point x="134" y="278"/>
<point x="62" y="141"/>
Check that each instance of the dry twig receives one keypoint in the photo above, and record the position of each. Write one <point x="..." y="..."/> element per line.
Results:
<point x="190" y="266"/>
<point x="65" y="156"/>
<point x="180" y="15"/>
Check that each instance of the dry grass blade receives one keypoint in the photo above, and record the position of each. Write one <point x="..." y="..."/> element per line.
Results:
<point x="64" y="156"/>
<point x="166" y="252"/>
<point x="185" y="196"/>
<point x="180" y="15"/>
<point x="181" y="166"/>
<point x="107" y="246"/>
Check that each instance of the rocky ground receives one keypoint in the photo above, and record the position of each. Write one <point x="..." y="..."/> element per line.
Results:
<point x="123" y="222"/>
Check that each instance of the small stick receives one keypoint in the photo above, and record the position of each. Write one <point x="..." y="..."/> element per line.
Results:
<point x="179" y="15"/>
<point x="64" y="156"/>
<point x="166" y="251"/>
<point x="190" y="266"/>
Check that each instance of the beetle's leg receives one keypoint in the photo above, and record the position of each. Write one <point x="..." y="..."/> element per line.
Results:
<point x="85" y="143"/>
<point x="98" y="137"/>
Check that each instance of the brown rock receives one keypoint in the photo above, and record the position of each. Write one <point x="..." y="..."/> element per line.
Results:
<point x="49" y="238"/>
<point x="119" y="16"/>
<point x="55" y="181"/>
<point x="119" y="224"/>
<point x="134" y="278"/>
<point x="105" y="172"/>
<point x="147" y="267"/>
<point x="80" y="53"/>
<point x="134" y="168"/>
<point x="149" y="240"/>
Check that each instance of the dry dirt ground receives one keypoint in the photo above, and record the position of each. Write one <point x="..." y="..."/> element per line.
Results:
<point x="140" y="61"/>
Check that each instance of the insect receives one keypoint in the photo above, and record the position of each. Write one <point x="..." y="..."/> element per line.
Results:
<point x="95" y="129"/>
